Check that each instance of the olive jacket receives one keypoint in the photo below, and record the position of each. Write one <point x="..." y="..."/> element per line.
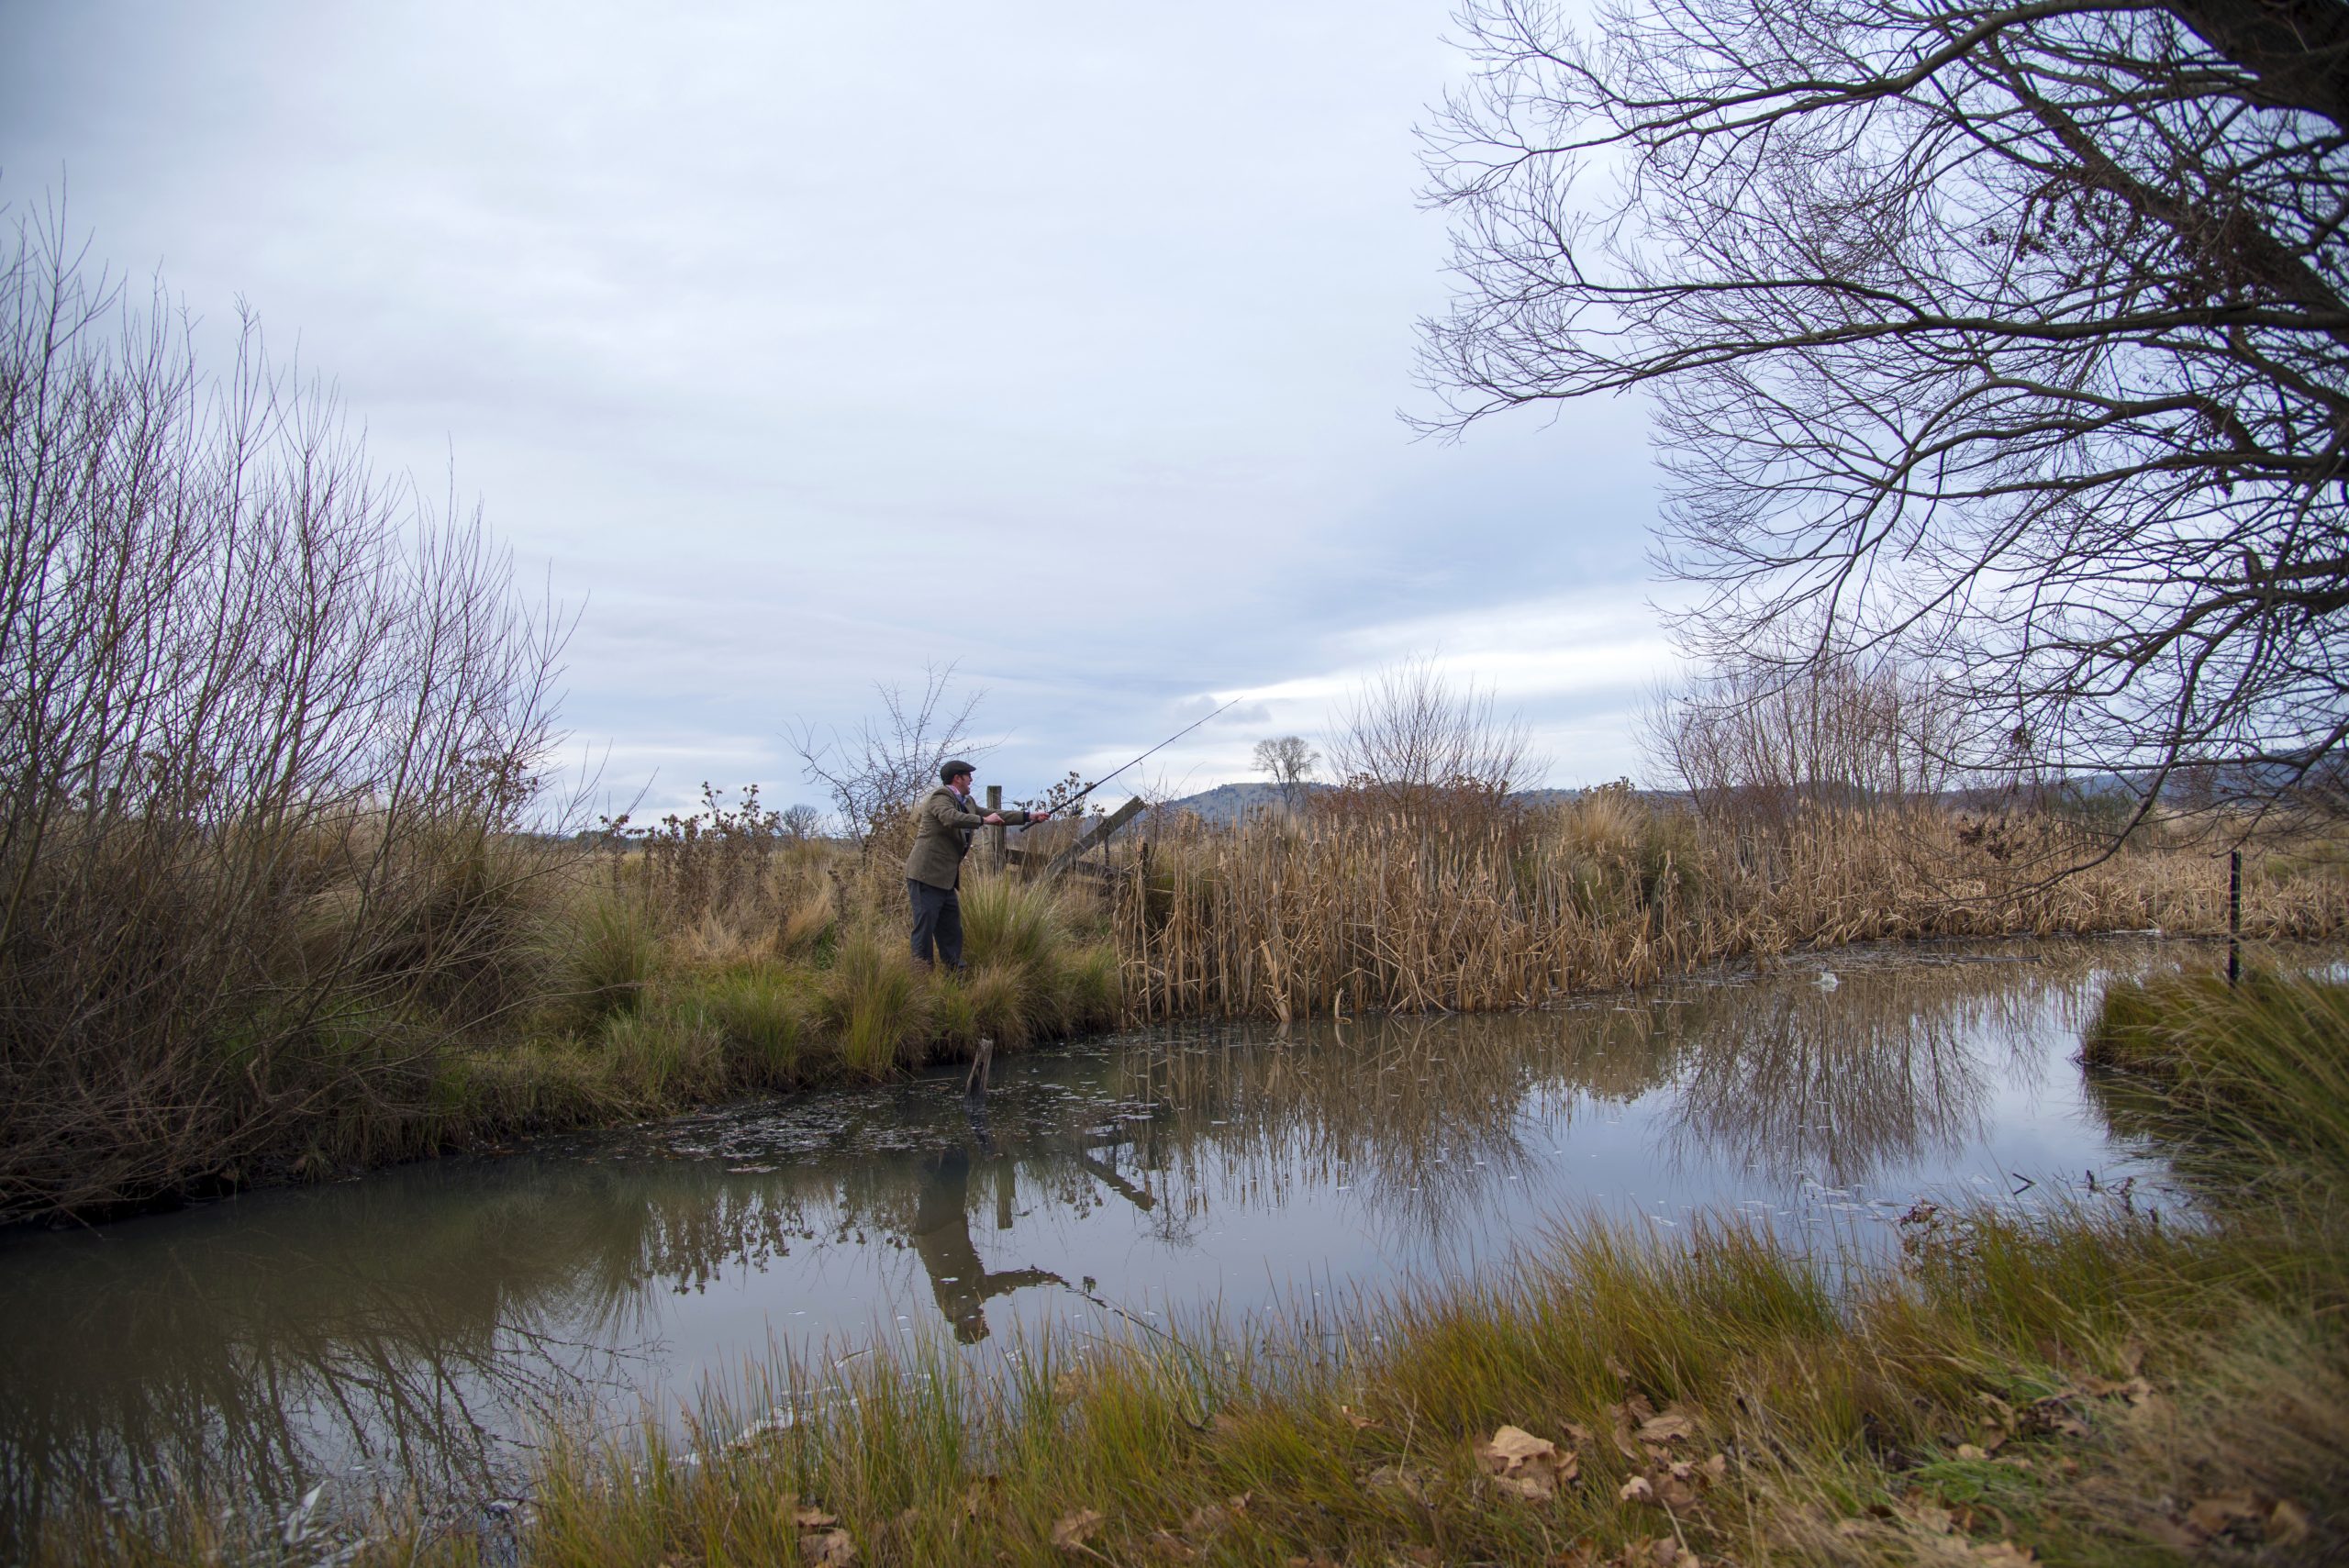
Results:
<point x="943" y="823"/>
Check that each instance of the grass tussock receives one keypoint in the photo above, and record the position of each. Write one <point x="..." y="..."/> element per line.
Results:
<point x="880" y="1004"/>
<point x="2260" y="1068"/>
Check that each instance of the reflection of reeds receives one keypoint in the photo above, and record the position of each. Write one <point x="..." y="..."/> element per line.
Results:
<point x="1286" y="917"/>
<point x="1838" y="1085"/>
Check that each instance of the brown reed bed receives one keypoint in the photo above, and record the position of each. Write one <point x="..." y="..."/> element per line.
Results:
<point x="1384" y="911"/>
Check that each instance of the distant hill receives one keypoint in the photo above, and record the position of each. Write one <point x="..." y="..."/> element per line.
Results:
<point x="1232" y="802"/>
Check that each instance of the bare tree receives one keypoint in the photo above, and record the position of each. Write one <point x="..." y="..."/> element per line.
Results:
<point x="1411" y="737"/>
<point x="1289" y="761"/>
<point x="878" y="772"/>
<point x="803" y="822"/>
<point x="2009" y="338"/>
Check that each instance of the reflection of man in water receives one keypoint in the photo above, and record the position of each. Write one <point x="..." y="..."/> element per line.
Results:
<point x="942" y="1235"/>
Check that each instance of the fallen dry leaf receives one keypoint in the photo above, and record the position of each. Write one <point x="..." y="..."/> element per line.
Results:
<point x="1664" y="1552"/>
<point x="2005" y="1553"/>
<point x="1581" y="1554"/>
<point x="1716" y="1469"/>
<point x="1513" y="1446"/>
<point x="2287" y="1523"/>
<point x="828" y="1548"/>
<point x="1165" y="1544"/>
<point x="2136" y="1390"/>
<point x="1673" y="1425"/>
<point x="1970" y="1451"/>
<point x="1534" y="1486"/>
<point x="1636" y="1490"/>
<point x="1355" y="1418"/>
<point x="2214" y="1516"/>
<point x="1932" y="1517"/>
<point x="1078" y="1527"/>
<point x="1526" y="1466"/>
<point x="1622" y="1418"/>
<point x="813" y="1518"/>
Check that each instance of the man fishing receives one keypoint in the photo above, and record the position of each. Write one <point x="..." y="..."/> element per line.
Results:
<point x="943" y="823"/>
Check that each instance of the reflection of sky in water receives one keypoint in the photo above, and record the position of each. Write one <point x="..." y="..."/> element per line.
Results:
<point x="409" y="1323"/>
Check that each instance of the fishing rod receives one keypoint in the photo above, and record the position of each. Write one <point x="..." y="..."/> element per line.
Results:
<point x="1113" y="772"/>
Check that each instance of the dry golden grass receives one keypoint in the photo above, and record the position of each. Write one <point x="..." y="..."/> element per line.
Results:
<point x="1283" y="916"/>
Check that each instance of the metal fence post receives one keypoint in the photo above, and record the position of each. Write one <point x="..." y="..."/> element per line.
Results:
<point x="2234" y="916"/>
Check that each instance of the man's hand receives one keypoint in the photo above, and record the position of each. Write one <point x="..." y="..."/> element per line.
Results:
<point x="993" y="819"/>
<point x="1036" y="816"/>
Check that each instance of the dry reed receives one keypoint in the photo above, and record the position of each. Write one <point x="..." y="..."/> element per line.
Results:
<point x="1282" y="916"/>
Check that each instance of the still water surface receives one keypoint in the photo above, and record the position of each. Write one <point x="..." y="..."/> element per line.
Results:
<point x="419" y="1326"/>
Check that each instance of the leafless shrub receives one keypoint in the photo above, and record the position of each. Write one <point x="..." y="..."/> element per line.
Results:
<point x="1409" y="739"/>
<point x="271" y="725"/>
<point x="875" y="774"/>
<point x="1764" y="737"/>
<point x="739" y="864"/>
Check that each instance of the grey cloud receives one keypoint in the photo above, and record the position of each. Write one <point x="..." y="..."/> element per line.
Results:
<point x="809" y="345"/>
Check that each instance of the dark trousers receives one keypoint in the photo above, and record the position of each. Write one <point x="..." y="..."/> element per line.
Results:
<point x="937" y="920"/>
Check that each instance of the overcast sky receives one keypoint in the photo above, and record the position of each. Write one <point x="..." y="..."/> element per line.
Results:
<point x="804" y="347"/>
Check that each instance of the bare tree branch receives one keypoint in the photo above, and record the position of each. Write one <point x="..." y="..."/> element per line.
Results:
<point x="2010" y="343"/>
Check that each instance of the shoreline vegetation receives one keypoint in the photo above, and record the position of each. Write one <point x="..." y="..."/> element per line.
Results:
<point x="718" y="955"/>
<point x="2084" y="1386"/>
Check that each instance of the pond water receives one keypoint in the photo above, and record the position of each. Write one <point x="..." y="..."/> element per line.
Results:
<point x="420" y="1326"/>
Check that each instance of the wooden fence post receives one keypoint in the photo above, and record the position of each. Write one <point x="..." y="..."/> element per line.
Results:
<point x="995" y="834"/>
<point x="1099" y="835"/>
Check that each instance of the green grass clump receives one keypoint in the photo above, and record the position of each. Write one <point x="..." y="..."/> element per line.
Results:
<point x="1092" y="988"/>
<point x="877" y="1001"/>
<point x="760" y="1010"/>
<point x="1001" y="999"/>
<point x="953" y="1013"/>
<point x="2260" y="1069"/>
<point x="660" y="1059"/>
<point x="611" y="955"/>
<point x="1010" y="925"/>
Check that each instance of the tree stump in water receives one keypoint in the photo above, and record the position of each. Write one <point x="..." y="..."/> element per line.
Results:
<point x="975" y="1083"/>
